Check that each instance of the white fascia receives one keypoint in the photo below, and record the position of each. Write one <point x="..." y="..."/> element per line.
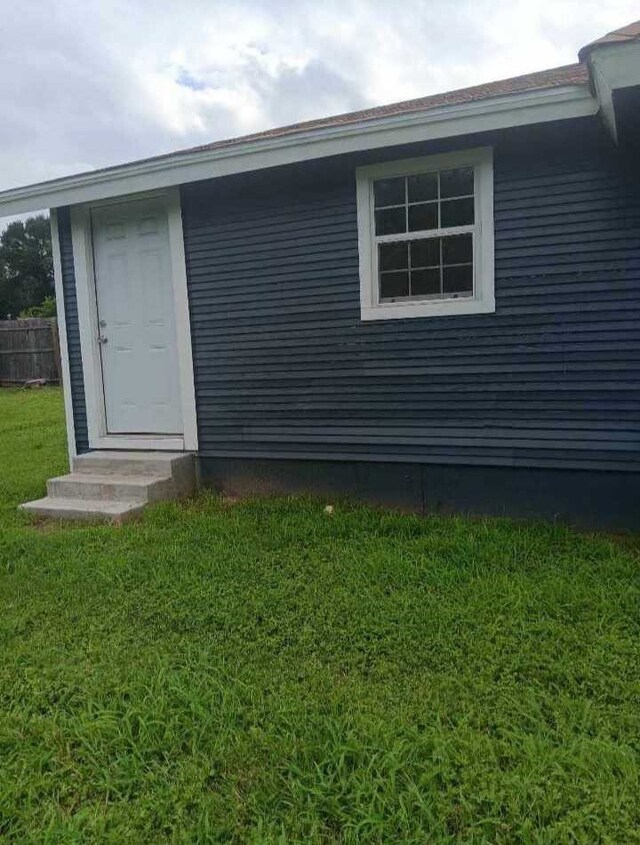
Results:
<point x="446" y="122"/>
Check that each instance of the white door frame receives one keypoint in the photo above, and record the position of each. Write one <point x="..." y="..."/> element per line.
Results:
<point x="81" y="237"/>
<point x="62" y="334"/>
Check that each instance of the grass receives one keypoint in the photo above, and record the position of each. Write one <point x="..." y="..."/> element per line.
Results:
<point x="267" y="673"/>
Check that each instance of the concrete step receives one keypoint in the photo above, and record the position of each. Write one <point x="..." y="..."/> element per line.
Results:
<point x="134" y="463"/>
<point x="86" y="510"/>
<point x="112" y="487"/>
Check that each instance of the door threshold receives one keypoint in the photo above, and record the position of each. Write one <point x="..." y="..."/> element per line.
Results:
<point x="142" y="441"/>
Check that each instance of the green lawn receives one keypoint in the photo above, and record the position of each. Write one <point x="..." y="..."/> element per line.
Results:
<point x="265" y="672"/>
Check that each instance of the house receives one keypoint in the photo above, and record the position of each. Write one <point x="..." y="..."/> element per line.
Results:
<point x="433" y="304"/>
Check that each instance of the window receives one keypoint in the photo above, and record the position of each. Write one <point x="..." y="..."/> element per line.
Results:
<point x="425" y="236"/>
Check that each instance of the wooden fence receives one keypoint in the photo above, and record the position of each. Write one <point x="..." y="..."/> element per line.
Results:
<point x="29" y="349"/>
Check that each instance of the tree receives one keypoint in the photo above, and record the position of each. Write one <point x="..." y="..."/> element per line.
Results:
<point x="26" y="266"/>
<point x="47" y="308"/>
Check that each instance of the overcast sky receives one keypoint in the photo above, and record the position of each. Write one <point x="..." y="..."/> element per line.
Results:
<point x="87" y="83"/>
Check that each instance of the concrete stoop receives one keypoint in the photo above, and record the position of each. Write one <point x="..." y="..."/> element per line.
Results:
<point x="115" y="486"/>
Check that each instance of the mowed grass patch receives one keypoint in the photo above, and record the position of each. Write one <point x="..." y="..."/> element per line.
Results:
<point x="266" y="672"/>
<point x="32" y="446"/>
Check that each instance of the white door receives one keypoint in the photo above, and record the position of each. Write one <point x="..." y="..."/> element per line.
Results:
<point x="136" y="318"/>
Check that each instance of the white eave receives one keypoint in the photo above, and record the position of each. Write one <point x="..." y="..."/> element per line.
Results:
<point x="611" y="67"/>
<point x="450" y="121"/>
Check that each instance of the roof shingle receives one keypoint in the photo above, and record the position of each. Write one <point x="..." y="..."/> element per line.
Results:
<point x="630" y="32"/>
<point x="575" y="74"/>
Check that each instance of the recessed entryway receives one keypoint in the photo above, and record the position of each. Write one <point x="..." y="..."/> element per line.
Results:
<point x="134" y="323"/>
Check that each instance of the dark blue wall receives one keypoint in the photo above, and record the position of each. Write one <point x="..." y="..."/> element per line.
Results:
<point x="73" y="331"/>
<point x="285" y="368"/>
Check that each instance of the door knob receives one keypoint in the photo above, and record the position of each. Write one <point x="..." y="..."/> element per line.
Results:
<point x="102" y="339"/>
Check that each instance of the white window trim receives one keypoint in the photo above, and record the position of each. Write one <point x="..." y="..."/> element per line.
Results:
<point x="81" y="235"/>
<point x="483" y="299"/>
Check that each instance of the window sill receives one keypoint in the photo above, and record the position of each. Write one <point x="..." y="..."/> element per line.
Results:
<point x="445" y="308"/>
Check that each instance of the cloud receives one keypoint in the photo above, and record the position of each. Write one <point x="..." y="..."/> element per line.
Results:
<point x="87" y="83"/>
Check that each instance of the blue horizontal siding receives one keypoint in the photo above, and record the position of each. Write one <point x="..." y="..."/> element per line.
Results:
<point x="73" y="331"/>
<point x="284" y="367"/>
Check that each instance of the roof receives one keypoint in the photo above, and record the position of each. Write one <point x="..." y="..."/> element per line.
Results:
<point x="554" y="94"/>
<point x="575" y="74"/>
<point x="630" y="32"/>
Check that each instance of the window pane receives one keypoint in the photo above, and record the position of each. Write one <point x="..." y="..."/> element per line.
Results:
<point x="394" y="284"/>
<point x="457" y="249"/>
<point x="456" y="183"/>
<point x="423" y="186"/>
<point x="391" y="221"/>
<point x="394" y="256"/>
<point x="423" y="217"/>
<point x="458" y="280"/>
<point x="389" y="191"/>
<point x="425" y="282"/>
<point x="456" y="212"/>
<point x="425" y="253"/>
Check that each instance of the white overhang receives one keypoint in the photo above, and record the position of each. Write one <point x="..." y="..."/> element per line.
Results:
<point x="449" y="121"/>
